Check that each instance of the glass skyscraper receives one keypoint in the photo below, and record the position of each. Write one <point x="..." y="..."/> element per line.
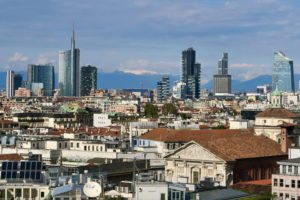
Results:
<point x="163" y="89"/>
<point x="222" y="80"/>
<point x="69" y="71"/>
<point x="88" y="80"/>
<point x="191" y="73"/>
<point x="283" y="73"/>
<point x="41" y="74"/>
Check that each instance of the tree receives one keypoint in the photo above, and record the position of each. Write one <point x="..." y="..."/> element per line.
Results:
<point x="169" y="108"/>
<point x="151" y="110"/>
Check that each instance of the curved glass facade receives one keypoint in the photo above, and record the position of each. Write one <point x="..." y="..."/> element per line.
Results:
<point x="283" y="73"/>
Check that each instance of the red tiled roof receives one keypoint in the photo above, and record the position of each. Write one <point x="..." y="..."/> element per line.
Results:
<point x="229" y="145"/>
<point x="278" y="113"/>
<point x="10" y="157"/>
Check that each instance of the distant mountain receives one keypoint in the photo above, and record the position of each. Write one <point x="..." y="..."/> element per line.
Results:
<point x="122" y="80"/>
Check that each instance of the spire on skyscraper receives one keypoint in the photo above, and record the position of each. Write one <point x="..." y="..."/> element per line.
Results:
<point x="73" y="38"/>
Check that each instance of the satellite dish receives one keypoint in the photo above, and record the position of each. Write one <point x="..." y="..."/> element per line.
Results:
<point x="92" y="189"/>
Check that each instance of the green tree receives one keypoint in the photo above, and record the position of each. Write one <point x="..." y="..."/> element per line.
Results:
<point x="151" y="110"/>
<point x="169" y="109"/>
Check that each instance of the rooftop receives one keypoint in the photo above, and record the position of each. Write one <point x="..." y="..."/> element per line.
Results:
<point x="278" y="113"/>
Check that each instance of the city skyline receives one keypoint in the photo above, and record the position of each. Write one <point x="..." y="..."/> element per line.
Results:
<point x="147" y="42"/>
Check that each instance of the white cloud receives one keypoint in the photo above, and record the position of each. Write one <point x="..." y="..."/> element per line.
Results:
<point x="18" y="57"/>
<point x="242" y="65"/>
<point x="45" y="59"/>
<point x="142" y="66"/>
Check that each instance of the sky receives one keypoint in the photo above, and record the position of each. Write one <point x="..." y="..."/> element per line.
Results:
<point x="148" y="36"/>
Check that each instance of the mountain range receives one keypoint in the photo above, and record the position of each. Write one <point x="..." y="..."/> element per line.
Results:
<point x="122" y="80"/>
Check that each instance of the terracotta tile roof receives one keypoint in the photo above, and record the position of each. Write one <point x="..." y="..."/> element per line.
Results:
<point x="277" y="112"/>
<point x="227" y="144"/>
<point x="10" y="157"/>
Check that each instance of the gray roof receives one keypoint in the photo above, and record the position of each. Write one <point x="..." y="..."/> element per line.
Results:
<point x="294" y="160"/>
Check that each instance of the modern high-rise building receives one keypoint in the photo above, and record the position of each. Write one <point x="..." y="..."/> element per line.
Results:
<point x="283" y="73"/>
<point x="163" y="89"/>
<point x="222" y="80"/>
<point x="41" y="74"/>
<point x="18" y="81"/>
<point x="10" y="83"/>
<point x="69" y="71"/>
<point x="191" y="73"/>
<point x="88" y="80"/>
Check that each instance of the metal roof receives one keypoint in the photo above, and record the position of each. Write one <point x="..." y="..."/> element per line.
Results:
<point x="66" y="188"/>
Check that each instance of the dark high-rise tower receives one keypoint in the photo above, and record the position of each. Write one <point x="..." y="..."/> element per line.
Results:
<point x="68" y="74"/>
<point x="18" y="80"/>
<point x="191" y="73"/>
<point x="88" y="80"/>
<point x="41" y="74"/>
<point x="222" y="80"/>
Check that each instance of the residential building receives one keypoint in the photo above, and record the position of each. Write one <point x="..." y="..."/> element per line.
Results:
<point x="101" y="120"/>
<point x="222" y="80"/>
<point x="68" y="70"/>
<point x="22" y="92"/>
<point x="163" y="89"/>
<point x="42" y="74"/>
<point x="88" y="80"/>
<point x="283" y="73"/>
<point x="10" y="83"/>
<point x="191" y="73"/>
<point x="286" y="181"/>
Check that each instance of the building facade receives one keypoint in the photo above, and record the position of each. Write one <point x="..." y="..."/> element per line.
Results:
<point x="18" y="80"/>
<point x="222" y="80"/>
<point x="42" y="74"/>
<point x="88" y="80"/>
<point x="68" y="74"/>
<point x="163" y="89"/>
<point x="191" y="73"/>
<point x="283" y="73"/>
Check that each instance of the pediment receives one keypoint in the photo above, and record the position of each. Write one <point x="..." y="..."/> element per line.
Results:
<point x="194" y="151"/>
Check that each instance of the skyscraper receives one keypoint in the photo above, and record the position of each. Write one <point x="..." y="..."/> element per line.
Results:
<point x="10" y="83"/>
<point x="222" y="80"/>
<point x="68" y="74"/>
<point x="41" y="74"/>
<point x="191" y="73"/>
<point x="88" y="80"/>
<point x="283" y="73"/>
<point x="18" y="80"/>
<point x="163" y="89"/>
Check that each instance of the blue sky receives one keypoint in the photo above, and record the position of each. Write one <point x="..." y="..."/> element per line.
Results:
<point x="147" y="36"/>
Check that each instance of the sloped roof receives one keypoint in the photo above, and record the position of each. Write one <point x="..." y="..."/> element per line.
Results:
<point x="229" y="145"/>
<point x="11" y="157"/>
<point x="66" y="188"/>
<point x="165" y="135"/>
<point x="277" y="113"/>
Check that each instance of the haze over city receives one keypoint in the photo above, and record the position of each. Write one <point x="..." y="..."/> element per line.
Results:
<point x="148" y="36"/>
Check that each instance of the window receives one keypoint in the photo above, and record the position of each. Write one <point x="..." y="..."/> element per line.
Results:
<point x="97" y="148"/>
<point x="295" y="169"/>
<point x="72" y="144"/>
<point x="101" y="149"/>
<point x="93" y="148"/>
<point x="89" y="148"/>
<point x="293" y="197"/>
<point x="284" y="169"/>
<point x="85" y="148"/>
<point x="66" y="144"/>
<point x="298" y="185"/>
<point x="281" y="183"/>
<point x="287" y="183"/>
<point x="77" y="145"/>
<point x="59" y="145"/>
<point x="275" y="182"/>
<point x="293" y="183"/>
<point x="287" y="196"/>
<point x="42" y="194"/>
<point x="162" y="196"/>
<point x="290" y="169"/>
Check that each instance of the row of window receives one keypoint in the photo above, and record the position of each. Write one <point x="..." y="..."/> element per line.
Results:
<point x="93" y="148"/>
<point x="289" y="169"/>
<point x="287" y="196"/>
<point x="286" y="183"/>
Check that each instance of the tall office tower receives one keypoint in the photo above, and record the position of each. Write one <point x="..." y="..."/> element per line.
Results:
<point x="88" y="80"/>
<point x="191" y="73"/>
<point x="41" y="74"/>
<point x="222" y="80"/>
<point x="68" y="74"/>
<point x="18" y="80"/>
<point x="10" y="83"/>
<point x="163" y="89"/>
<point x="283" y="73"/>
